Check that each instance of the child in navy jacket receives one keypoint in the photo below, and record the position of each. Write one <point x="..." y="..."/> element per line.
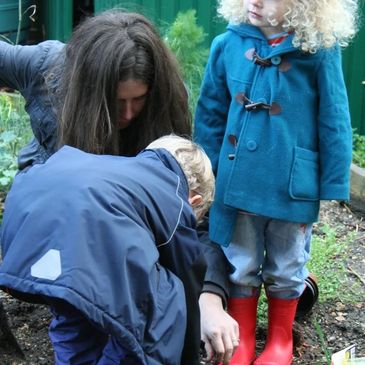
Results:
<point x="110" y="244"/>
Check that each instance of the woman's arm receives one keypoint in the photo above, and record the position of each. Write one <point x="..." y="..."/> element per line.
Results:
<point x="218" y="328"/>
<point x="23" y="68"/>
<point x="19" y="65"/>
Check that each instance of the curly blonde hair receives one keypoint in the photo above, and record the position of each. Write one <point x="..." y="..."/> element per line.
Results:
<point x="316" y="23"/>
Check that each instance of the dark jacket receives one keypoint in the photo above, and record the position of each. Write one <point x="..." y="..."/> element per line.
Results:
<point x="115" y="237"/>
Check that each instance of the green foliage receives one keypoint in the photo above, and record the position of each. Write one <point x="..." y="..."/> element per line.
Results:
<point x="8" y="167"/>
<point x="322" y="340"/>
<point x="328" y="257"/>
<point x="14" y="133"/>
<point x="262" y="311"/>
<point x="184" y="37"/>
<point x="358" y="153"/>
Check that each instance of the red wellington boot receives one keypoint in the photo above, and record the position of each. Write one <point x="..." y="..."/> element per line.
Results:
<point x="279" y="343"/>
<point x="244" y="311"/>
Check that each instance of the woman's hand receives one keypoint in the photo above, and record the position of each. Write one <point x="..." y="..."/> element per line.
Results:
<point x="219" y="330"/>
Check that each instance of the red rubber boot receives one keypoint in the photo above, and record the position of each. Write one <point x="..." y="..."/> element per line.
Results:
<point x="244" y="311"/>
<point x="279" y="344"/>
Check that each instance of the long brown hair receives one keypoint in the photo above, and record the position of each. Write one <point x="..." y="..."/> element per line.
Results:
<point x="111" y="47"/>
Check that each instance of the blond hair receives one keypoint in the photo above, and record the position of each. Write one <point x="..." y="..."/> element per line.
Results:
<point x="316" y="23"/>
<point x="196" y="166"/>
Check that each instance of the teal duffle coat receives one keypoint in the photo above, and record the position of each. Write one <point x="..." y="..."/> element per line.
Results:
<point x="275" y="123"/>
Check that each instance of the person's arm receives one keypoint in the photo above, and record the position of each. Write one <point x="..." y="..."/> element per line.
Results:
<point x="207" y="319"/>
<point x="218" y="268"/>
<point x="334" y="128"/>
<point x="23" y="68"/>
<point x="213" y="105"/>
<point x="21" y="65"/>
<point x="218" y="328"/>
<point x="185" y="259"/>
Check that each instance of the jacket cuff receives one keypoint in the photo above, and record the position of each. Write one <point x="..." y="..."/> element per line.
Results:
<point x="210" y="287"/>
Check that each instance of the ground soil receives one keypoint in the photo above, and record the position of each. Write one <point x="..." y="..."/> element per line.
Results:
<point x="342" y="324"/>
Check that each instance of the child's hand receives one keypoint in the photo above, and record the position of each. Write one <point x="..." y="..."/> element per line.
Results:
<point x="219" y="330"/>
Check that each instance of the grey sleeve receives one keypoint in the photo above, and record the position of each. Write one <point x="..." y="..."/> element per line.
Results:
<point x="21" y="64"/>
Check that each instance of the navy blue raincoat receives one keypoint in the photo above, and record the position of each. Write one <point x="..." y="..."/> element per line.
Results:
<point x="115" y="237"/>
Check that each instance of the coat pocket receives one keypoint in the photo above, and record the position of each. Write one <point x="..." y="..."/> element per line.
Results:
<point x="304" y="178"/>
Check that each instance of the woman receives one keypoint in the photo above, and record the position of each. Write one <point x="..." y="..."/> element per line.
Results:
<point x="115" y="75"/>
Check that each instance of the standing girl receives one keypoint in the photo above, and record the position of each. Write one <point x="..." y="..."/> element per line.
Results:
<point x="273" y="117"/>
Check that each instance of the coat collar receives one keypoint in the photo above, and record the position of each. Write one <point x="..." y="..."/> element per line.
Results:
<point x="248" y="30"/>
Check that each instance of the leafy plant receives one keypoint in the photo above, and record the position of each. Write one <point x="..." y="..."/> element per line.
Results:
<point x="328" y="256"/>
<point x="14" y="133"/>
<point x="8" y="165"/>
<point x="322" y="341"/>
<point x="184" y="37"/>
<point x="358" y="153"/>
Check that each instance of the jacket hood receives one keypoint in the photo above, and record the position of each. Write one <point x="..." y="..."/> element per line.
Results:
<point x="171" y="163"/>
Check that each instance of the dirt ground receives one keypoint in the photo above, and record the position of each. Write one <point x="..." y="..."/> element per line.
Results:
<point x="341" y="324"/>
